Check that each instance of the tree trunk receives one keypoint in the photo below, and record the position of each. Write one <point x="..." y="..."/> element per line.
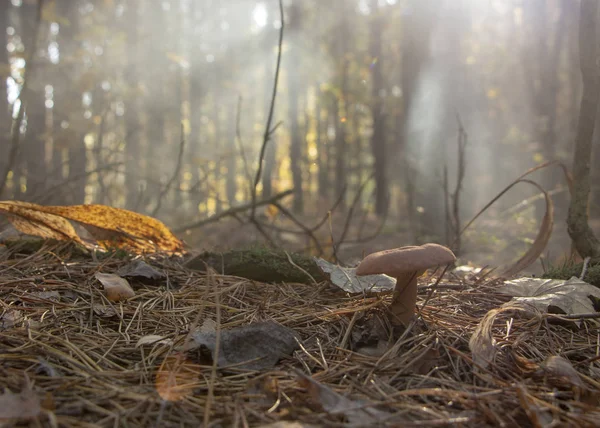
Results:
<point x="378" y="138"/>
<point x="417" y="29"/>
<point x="33" y="149"/>
<point x="322" y="153"/>
<point x="577" y="222"/>
<point x="293" y="72"/>
<point x="232" y="154"/>
<point x="132" y="109"/>
<point x="5" y="108"/>
<point x="156" y="166"/>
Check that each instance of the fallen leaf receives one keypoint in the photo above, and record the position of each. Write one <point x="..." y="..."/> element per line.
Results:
<point x="570" y="296"/>
<point x="561" y="372"/>
<point x="24" y="405"/>
<point x="110" y="227"/>
<point x="356" y="412"/>
<point x="347" y="280"/>
<point x="252" y="347"/>
<point x="26" y="219"/>
<point x="139" y="268"/>
<point x="116" y="288"/>
<point x="177" y="377"/>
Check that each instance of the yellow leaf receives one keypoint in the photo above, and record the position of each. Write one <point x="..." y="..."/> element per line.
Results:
<point x="110" y="227"/>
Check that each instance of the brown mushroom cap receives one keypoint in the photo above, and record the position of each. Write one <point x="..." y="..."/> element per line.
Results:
<point x="399" y="261"/>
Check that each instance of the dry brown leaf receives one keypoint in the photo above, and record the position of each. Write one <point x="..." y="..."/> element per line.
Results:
<point x="571" y="296"/>
<point x="116" y="288"/>
<point x="176" y="378"/>
<point x="21" y="406"/>
<point x="333" y="403"/>
<point x="110" y="227"/>
<point x="561" y="371"/>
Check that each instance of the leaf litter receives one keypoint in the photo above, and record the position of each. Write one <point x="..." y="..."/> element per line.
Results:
<point x="131" y="367"/>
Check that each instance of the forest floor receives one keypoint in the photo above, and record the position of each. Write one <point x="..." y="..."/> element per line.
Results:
<point x="71" y="357"/>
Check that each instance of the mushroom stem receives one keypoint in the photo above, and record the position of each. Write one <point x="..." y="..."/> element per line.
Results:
<point x="404" y="299"/>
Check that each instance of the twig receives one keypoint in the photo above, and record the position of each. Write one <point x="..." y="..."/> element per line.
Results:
<point x="234" y="210"/>
<point x="351" y="211"/>
<point x="584" y="269"/>
<point x="48" y="193"/>
<point x="298" y="223"/>
<point x="175" y="175"/>
<point x="268" y="130"/>
<point x="18" y="121"/>
<point x="300" y="268"/>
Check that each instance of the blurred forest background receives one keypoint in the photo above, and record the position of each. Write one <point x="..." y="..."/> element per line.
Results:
<point x="401" y="117"/>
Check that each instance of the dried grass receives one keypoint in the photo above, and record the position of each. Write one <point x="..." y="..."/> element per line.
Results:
<point x="79" y="350"/>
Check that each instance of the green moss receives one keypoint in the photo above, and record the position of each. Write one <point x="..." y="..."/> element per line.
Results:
<point x="259" y="263"/>
<point x="569" y="270"/>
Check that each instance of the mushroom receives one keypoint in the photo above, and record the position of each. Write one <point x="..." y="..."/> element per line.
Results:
<point x="405" y="264"/>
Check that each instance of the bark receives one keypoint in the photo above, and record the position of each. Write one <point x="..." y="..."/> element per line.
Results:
<point x="582" y="235"/>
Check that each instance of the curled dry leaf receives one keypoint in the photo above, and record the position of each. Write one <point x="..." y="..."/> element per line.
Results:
<point x="545" y="227"/>
<point x="482" y="343"/>
<point x="541" y="240"/>
<point x="110" y="227"/>
<point x="116" y="288"/>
